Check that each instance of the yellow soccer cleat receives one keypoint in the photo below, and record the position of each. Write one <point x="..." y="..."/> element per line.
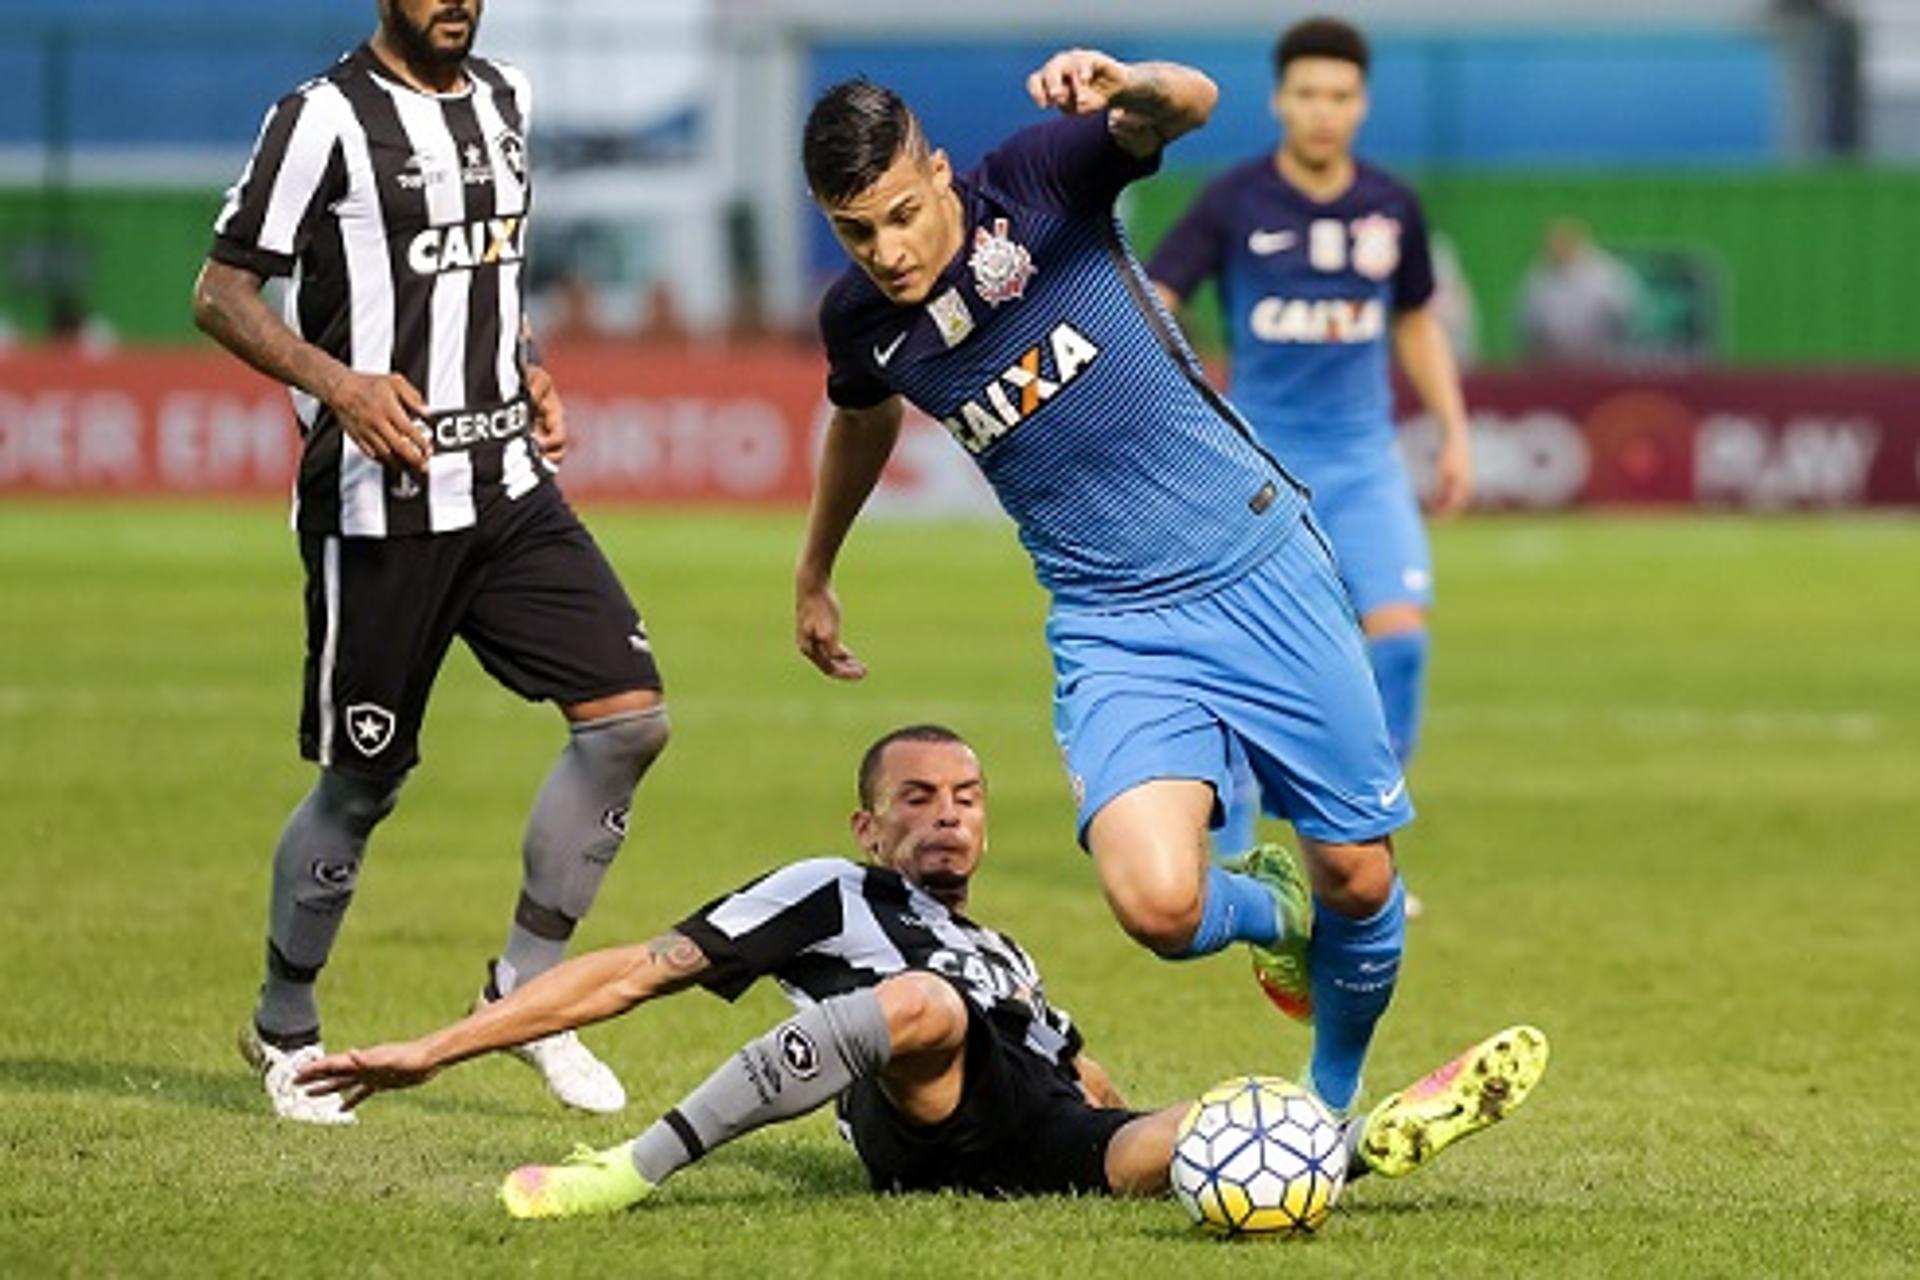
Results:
<point x="1477" y="1089"/>
<point x="1282" y="968"/>
<point x="589" y="1183"/>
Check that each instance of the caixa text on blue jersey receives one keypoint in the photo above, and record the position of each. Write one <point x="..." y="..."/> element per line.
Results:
<point x="1029" y="382"/>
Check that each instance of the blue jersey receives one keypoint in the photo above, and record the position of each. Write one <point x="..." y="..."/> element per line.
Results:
<point x="1309" y="291"/>
<point x="1044" y="353"/>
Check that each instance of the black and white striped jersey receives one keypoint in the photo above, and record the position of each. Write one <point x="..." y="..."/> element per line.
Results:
<point x="828" y="925"/>
<point x="401" y="217"/>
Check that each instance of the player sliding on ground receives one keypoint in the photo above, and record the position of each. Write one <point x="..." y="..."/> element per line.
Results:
<point x="931" y="1031"/>
<point x="1197" y="621"/>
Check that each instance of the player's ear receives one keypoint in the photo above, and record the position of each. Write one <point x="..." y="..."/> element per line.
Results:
<point x="861" y="824"/>
<point x="940" y="169"/>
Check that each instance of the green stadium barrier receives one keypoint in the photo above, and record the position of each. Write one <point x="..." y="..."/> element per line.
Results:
<point x="1809" y="266"/>
<point x="135" y="252"/>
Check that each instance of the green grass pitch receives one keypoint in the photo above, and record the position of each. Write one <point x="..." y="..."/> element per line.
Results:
<point x="1669" y="795"/>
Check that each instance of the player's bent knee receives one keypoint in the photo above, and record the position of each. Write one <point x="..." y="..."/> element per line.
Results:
<point x="632" y="740"/>
<point x="627" y="703"/>
<point x="923" y="1012"/>
<point x="360" y="802"/>
<point x="1158" y="901"/>
<point x="1161" y="918"/>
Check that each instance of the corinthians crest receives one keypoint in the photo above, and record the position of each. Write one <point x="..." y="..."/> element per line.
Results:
<point x="1001" y="268"/>
<point x="1376" y="246"/>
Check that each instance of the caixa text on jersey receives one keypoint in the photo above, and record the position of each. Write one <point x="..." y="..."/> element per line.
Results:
<point x="488" y="242"/>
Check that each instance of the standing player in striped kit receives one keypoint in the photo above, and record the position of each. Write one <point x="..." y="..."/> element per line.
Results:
<point x="1197" y="620"/>
<point x="394" y="191"/>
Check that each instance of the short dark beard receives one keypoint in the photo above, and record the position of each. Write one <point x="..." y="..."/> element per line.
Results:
<point x="948" y="888"/>
<point x="415" y="44"/>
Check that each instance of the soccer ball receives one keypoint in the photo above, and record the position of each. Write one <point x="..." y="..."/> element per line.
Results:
<point x="1258" y="1155"/>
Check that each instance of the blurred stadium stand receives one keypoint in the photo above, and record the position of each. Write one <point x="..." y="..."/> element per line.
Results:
<point x="671" y="200"/>
<point x="1756" y="162"/>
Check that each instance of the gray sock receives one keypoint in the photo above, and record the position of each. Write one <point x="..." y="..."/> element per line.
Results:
<point x="578" y="823"/>
<point x="803" y="1063"/>
<point x="527" y="953"/>
<point x="315" y="867"/>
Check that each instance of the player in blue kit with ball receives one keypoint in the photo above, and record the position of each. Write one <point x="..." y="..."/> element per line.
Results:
<point x="1323" y="264"/>
<point x="1197" y="619"/>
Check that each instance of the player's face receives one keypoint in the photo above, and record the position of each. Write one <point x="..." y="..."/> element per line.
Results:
<point x="929" y="816"/>
<point x="1320" y="103"/>
<point x="904" y="229"/>
<point x="432" y="31"/>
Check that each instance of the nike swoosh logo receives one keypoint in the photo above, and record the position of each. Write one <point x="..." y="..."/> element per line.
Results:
<point x="1392" y="793"/>
<point x="883" y="354"/>
<point x="1268" y="243"/>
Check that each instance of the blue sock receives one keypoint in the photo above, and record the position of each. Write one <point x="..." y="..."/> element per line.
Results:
<point x="1237" y="909"/>
<point x="1400" y="673"/>
<point x="1355" y="964"/>
<point x="1243" y="813"/>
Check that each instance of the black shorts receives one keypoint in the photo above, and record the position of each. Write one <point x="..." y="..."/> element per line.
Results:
<point x="1021" y="1128"/>
<point x="526" y="588"/>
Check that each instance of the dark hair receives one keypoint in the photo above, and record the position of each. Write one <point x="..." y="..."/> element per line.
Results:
<point x="854" y="133"/>
<point x="870" y="762"/>
<point x="1321" y="38"/>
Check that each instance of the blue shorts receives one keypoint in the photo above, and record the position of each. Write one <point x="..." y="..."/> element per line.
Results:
<point x="1270" y="670"/>
<point x="1365" y="501"/>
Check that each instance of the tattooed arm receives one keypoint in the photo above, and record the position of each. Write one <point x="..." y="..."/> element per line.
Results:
<point x="1148" y="104"/>
<point x="380" y="411"/>
<point x="586" y="989"/>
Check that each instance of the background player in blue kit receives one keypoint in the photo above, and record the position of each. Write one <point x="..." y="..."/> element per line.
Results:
<point x="1197" y="620"/>
<point x="1322" y="262"/>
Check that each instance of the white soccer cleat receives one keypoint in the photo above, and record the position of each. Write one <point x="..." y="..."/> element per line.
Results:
<point x="277" y="1067"/>
<point x="573" y="1074"/>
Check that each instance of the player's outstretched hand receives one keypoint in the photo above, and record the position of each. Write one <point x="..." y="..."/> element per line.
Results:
<point x="816" y="629"/>
<point x="358" y="1074"/>
<point x="549" y="415"/>
<point x="1078" y="81"/>
<point x="1452" y="478"/>
<point x="382" y="412"/>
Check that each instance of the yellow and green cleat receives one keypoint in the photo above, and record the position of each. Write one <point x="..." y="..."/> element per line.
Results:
<point x="1475" y="1090"/>
<point x="1281" y="969"/>
<point x="589" y="1183"/>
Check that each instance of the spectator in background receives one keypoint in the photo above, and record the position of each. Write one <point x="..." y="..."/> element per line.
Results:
<point x="73" y="325"/>
<point x="572" y="313"/>
<point x="1577" y="304"/>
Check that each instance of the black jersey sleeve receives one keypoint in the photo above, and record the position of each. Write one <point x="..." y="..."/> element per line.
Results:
<point x="851" y="383"/>
<point x="766" y="925"/>
<point x="295" y="174"/>
<point x="1413" y="278"/>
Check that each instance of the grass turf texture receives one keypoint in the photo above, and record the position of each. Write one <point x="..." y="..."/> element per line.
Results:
<point x="1668" y="793"/>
